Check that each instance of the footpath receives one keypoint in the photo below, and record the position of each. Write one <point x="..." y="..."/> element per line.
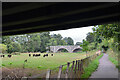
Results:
<point x="106" y="69"/>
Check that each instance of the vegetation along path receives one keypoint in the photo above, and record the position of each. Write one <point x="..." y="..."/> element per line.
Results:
<point x="106" y="69"/>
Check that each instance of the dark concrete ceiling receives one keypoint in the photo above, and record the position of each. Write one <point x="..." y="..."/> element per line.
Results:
<point x="30" y="17"/>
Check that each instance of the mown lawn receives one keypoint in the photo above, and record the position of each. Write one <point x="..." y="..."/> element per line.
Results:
<point x="41" y="62"/>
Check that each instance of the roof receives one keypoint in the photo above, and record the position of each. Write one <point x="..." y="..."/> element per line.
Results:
<point x="31" y="17"/>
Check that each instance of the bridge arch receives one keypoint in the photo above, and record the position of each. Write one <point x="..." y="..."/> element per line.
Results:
<point x="59" y="49"/>
<point x="76" y="50"/>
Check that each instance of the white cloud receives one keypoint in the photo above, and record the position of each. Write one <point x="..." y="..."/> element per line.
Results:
<point x="77" y="34"/>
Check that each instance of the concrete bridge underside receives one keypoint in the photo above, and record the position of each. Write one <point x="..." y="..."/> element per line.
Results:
<point x="70" y="49"/>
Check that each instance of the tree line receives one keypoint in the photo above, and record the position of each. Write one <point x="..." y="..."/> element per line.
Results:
<point x="36" y="42"/>
<point x="104" y="37"/>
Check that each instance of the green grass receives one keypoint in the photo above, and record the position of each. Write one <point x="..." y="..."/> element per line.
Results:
<point x="39" y="65"/>
<point x="91" y="67"/>
<point x="50" y="62"/>
<point x="114" y="61"/>
<point x="113" y="57"/>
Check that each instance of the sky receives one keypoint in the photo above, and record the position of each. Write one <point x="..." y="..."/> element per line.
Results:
<point x="77" y="34"/>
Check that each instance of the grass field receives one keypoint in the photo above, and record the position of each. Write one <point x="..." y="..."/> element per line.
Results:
<point x="42" y="63"/>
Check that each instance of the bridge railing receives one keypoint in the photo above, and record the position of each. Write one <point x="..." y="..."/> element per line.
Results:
<point x="72" y="69"/>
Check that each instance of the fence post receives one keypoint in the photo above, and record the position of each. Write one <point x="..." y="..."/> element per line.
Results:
<point x="73" y="65"/>
<point x="48" y="75"/>
<point x="90" y="58"/>
<point x="93" y="57"/>
<point x="87" y="61"/>
<point x="24" y="69"/>
<point x="78" y="73"/>
<point x="60" y="70"/>
<point x="81" y="67"/>
<point x="76" y="66"/>
<point x="66" y="75"/>
<point x="71" y="72"/>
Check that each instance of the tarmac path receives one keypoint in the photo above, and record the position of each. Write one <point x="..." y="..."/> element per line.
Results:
<point x="106" y="69"/>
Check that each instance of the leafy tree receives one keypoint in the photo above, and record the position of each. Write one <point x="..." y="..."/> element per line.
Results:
<point x="10" y="48"/>
<point x="108" y="31"/>
<point x="3" y="48"/>
<point x="78" y="43"/>
<point x="91" y="46"/>
<point x="52" y="42"/>
<point x="36" y="42"/>
<point x="16" y="47"/>
<point x="62" y="42"/>
<point x="90" y="37"/>
<point x="84" y="46"/>
<point x="69" y="40"/>
<point x="6" y="40"/>
<point x="44" y="41"/>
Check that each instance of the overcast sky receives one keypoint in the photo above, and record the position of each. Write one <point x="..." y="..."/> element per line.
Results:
<point x="77" y="34"/>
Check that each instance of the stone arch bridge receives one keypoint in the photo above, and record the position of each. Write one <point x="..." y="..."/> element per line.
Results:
<point x="70" y="49"/>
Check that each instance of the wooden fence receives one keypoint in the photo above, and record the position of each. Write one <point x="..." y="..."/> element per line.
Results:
<point x="72" y="69"/>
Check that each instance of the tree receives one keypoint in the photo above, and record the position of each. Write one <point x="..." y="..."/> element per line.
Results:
<point x="52" y="42"/>
<point x="62" y="42"/>
<point x="6" y="40"/>
<point x="3" y="48"/>
<point x="91" y="46"/>
<point x="78" y="43"/>
<point x="108" y="31"/>
<point x="84" y="46"/>
<point x="56" y="39"/>
<point x="69" y="40"/>
<point x="36" y="42"/>
<point x="16" y="47"/>
<point x="90" y="37"/>
<point x="44" y="41"/>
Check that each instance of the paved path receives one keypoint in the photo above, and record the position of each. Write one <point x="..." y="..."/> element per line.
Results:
<point x="106" y="69"/>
